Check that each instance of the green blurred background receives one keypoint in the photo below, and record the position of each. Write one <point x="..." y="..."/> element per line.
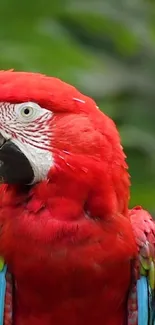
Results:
<point x="106" y="49"/>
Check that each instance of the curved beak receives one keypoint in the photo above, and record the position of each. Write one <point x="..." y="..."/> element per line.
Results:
<point x="15" y="168"/>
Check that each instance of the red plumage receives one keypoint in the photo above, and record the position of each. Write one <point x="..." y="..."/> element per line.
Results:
<point x="68" y="241"/>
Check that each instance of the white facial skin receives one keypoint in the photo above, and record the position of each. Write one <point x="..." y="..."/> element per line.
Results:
<point x="27" y="126"/>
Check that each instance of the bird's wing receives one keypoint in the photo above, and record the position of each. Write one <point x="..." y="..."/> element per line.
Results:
<point x="141" y="303"/>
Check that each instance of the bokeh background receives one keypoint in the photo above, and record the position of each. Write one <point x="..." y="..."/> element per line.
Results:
<point x="106" y="49"/>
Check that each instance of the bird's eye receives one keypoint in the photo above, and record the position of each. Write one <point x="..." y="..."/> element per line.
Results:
<point x="27" y="111"/>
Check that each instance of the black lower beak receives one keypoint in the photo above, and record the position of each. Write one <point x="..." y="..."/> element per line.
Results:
<point x="15" y="168"/>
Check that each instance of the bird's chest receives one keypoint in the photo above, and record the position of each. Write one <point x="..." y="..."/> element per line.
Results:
<point x="80" y="280"/>
<point x="72" y="293"/>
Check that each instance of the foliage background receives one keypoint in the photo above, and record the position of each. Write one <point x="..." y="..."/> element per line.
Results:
<point x="105" y="48"/>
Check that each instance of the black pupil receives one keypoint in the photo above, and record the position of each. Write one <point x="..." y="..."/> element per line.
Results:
<point x="26" y="111"/>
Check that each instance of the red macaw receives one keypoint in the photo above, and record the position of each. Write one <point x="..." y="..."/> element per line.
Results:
<point x="76" y="254"/>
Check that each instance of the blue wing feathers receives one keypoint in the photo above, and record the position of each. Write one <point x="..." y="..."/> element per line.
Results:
<point x="146" y="302"/>
<point x="2" y="293"/>
<point x="143" y="301"/>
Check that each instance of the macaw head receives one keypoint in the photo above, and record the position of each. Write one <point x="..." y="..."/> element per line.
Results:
<point x="51" y="133"/>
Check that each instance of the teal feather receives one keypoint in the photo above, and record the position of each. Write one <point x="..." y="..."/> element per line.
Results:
<point x="143" y="301"/>
<point x="2" y="293"/>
